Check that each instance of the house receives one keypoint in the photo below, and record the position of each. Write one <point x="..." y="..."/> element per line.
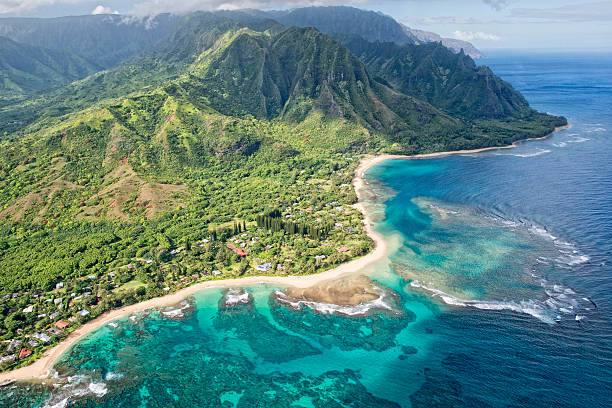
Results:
<point x="28" y="309"/>
<point x="42" y="337"/>
<point x="54" y="331"/>
<point x="24" y="353"/>
<point x="177" y="250"/>
<point x="61" y="324"/>
<point x="32" y="343"/>
<point x="344" y="249"/>
<point x="14" y="345"/>
<point x="8" y="359"/>
<point x="231" y="246"/>
<point x="59" y="285"/>
<point x="264" y="267"/>
<point x="240" y="252"/>
<point x="216" y="272"/>
<point x="83" y="312"/>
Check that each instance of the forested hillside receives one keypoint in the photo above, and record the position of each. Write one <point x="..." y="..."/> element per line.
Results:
<point x="26" y="69"/>
<point x="452" y="82"/>
<point x="103" y="40"/>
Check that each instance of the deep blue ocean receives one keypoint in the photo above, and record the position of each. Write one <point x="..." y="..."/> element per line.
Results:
<point x="497" y="291"/>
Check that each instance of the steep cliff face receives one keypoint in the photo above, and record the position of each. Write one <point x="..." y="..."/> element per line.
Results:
<point x="456" y="46"/>
<point x="451" y="82"/>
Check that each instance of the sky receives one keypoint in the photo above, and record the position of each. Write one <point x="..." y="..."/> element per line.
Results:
<point x="488" y="24"/>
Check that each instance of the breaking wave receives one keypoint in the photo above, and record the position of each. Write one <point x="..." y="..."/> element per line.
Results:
<point x="550" y="310"/>
<point x="75" y="387"/>
<point x="236" y="296"/>
<point x="578" y="139"/>
<point x="532" y="154"/>
<point x="361" y="309"/>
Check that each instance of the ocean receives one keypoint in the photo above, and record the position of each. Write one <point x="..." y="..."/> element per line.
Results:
<point x="497" y="291"/>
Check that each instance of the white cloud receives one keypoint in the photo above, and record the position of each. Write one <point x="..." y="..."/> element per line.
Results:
<point x="598" y="11"/>
<point x="100" y="9"/>
<point x="474" y="35"/>
<point x="150" y="7"/>
<point x="17" y="6"/>
<point x="497" y="4"/>
<point x="456" y="20"/>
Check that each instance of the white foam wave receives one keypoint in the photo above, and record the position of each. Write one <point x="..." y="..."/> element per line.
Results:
<point x="560" y="144"/>
<point x="569" y="254"/>
<point x="176" y="312"/>
<point x="541" y="231"/>
<point x="532" y="154"/>
<point x="330" y="308"/>
<point x="75" y="387"/>
<point x="110" y="376"/>
<point x="597" y="129"/>
<point x="235" y="296"/>
<point x="98" y="389"/>
<point x="545" y="311"/>
<point x="573" y="259"/>
<point x="529" y="307"/>
<point x="578" y="139"/>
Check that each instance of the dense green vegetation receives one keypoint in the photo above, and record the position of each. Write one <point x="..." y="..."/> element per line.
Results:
<point x="228" y="150"/>
<point x="431" y="72"/>
<point x="103" y="40"/>
<point x="26" y="69"/>
<point x="369" y="25"/>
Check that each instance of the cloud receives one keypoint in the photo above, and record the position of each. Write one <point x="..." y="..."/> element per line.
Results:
<point x="598" y="11"/>
<point x="497" y="4"/>
<point x="17" y="6"/>
<point x="100" y="9"/>
<point x="456" y="20"/>
<point x="151" y="7"/>
<point x="478" y="35"/>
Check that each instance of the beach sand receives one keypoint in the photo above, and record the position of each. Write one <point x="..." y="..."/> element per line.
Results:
<point x="41" y="367"/>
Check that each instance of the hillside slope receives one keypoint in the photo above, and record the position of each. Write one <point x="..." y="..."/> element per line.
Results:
<point x="26" y="69"/>
<point x="369" y="25"/>
<point x="452" y="82"/>
<point x="103" y="40"/>
<point x="453" y="44"/>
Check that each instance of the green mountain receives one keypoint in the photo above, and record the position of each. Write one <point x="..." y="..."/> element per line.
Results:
<point x="431" y="72"/>
<point x="26" y="69"/>
<point x="103" y="40"/>
<point x="168" y="60"/>
<point x="296" y="72"/>
<point x="371" y="25"/>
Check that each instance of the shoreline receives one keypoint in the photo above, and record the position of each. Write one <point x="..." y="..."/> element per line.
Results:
<point x="380" y="158"/>
<point x="41" y="368"/>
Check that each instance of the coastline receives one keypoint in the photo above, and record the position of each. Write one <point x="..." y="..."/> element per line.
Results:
<point x="41" y="367"/>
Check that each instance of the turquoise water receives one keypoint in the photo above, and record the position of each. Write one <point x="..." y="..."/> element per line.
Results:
<point x="498" y="290"/>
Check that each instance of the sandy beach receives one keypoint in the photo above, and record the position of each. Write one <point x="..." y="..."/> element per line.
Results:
<point x="41" y="367"/>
